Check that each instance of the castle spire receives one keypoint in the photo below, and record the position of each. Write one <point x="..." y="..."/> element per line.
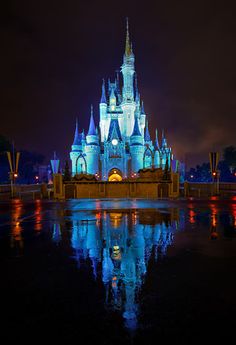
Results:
<point x="137" y="98"/>
<point x="163" y="140"/>
<point x="136" y="130"/>
<point x="147" y="134"/>
<point x="156" y="140"/>
<point x="142" y="109"/>
<point x="128" y="47"/>
<point x="76" y="137"/>
<point x="103" y="97"/>
<point x="92" y="129"/>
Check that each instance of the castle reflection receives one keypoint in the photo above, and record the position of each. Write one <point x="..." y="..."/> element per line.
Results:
<point x="119" y="246"/>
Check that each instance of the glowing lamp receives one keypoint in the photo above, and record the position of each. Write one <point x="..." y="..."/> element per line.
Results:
<point x="214" y="173"/>
<point x="214" y="235"/>
<point x="114" y="142"/>
<point x="15" y="175"/>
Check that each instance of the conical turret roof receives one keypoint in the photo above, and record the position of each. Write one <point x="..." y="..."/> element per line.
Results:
<point x="147" y="134"/>
<point x="128" y="47"/>
<point x="103" y="97"/>
<point x="142" y="109"/>
<point x="92" y="128"/>
<point x="136" y="130"/>
<point x="76" y="136"/>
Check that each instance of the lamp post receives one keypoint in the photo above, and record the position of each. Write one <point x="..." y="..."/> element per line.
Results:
<point x="13" y="164"/>
<point x="214" y="159"/>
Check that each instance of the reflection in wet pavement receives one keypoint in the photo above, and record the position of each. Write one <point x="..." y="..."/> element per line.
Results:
<point x="115" y="241"/>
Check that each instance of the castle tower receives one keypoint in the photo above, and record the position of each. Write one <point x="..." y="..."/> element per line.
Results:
<point x="157" y="157"/>
<point x="136" y="148"/>
<point x="142" y="119"/>
<point x="165" y="152"/>
<point x="76" y="155"/>
<point x="92" y="148"/>
<point x="128" y="104"/>
<point x="104" y="121"/>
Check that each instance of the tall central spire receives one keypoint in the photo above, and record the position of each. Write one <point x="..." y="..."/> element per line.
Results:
<point x="128" y="47"/>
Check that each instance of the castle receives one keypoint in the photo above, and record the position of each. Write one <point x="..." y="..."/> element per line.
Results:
<point x="122" y="145"/>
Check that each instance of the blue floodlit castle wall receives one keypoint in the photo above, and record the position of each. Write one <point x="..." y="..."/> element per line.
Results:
<point x="122" y="144"/>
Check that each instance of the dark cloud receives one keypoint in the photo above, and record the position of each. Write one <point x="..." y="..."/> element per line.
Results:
<point x="55" y="54"/>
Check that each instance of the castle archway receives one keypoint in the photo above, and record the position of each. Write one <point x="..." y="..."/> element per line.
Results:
<point x="81" y="164"/>
<point x="114" y="175"/>
<point x="148" y="158"/>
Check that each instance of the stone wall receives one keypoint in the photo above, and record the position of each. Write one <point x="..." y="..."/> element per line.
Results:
<point x="199" y="190"/>
<point x="117" y="190"/>
<point x="123" y="189"/>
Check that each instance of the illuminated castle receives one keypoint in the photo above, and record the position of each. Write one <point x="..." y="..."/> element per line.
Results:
<point x="122" y="145"/>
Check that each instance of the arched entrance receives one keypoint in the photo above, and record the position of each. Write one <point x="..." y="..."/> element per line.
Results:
<point x="148" y="158"/>
<point x="81" y="165"/>
<point x="115" y="175"/>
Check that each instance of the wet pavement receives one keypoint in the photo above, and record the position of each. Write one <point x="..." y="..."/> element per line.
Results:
<point x="118" y="271"/>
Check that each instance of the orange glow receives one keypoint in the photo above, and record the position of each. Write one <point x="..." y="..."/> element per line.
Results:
<point x="38" y="215"/>
<point x="192" y="214"/>
<point x="16" y="232"/>
<point x="214" y="214"/>
<point x="114" y="282"/>
<point x="233" y="206"/>
<point x="115" y="178"/>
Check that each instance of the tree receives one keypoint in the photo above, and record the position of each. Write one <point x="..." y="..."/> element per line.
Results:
<point x="67" y="173"/>
<point x="28" y="166"/>
<point x="226" y="167"/>
<point x="229" y="154"/>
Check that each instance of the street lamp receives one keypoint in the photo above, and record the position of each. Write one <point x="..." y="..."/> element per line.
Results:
<point x="13" y="164"/>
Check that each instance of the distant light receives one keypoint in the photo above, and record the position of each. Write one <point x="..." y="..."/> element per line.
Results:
<point x="15" y="175"/>
<point x="191" y="176"/>
<point x="36" y="177"/>
<point x="214" y="173"/>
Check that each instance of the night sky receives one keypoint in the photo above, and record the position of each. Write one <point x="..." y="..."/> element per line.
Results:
<point x="54" y="55"/>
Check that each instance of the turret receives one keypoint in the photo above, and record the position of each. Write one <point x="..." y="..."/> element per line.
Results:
<point x="112" y="100"/>
<point x="147" y="137"/>
<point x="157" y="157"/>
<point x="165" y="152"/>
<point x="92" y="137"/>
<point x="156" y="143"/>
<point x="103" y="112"/>
<point x="163" y="141"/>
<point x="103" y="96"/>
<point x="77" y="138"/>
<point x="117" y="82"/>
<point x="137" y="96"/>
<point x="92" y="148"/>
<point x="127" y="69"/>
<point x="77" y="147"/>
<point x="142" y="119"/>
<point x="136" y="148"/>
